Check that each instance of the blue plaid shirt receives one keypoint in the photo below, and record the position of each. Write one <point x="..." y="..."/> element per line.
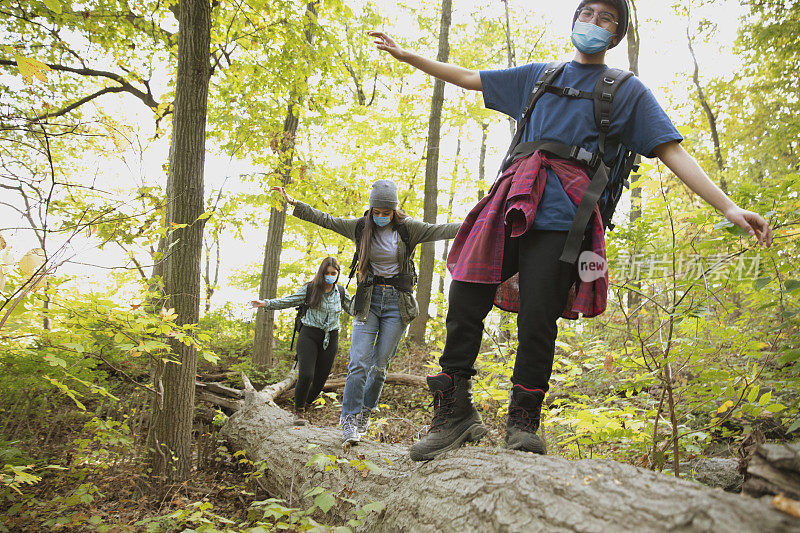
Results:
<point x="325" y="316"/>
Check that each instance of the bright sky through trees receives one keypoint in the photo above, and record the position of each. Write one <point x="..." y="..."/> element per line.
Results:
<point x="665" y="66"/>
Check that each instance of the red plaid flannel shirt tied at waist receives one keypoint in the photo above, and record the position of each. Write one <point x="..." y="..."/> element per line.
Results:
<point x="477" y="252"/>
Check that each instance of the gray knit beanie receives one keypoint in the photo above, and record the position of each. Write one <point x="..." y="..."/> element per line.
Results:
<point x="384" y="195"/>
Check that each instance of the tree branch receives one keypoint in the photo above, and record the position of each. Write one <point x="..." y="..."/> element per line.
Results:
<point x="147" y="97"/>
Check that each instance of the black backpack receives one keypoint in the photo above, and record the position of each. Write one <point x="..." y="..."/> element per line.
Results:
<point x="303" y="308"/>
<point x="402" y="230"/>
<point x="613" y="178"/>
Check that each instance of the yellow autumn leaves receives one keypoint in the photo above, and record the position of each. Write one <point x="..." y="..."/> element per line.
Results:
<point x="29" y="265"/>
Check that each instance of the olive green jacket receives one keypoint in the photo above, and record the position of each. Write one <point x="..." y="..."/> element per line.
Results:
<point x="417" y="232"/>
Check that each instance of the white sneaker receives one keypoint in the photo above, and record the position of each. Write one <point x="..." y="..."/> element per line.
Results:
<point x="350" y="430"/>
<point x="362" y="421"/>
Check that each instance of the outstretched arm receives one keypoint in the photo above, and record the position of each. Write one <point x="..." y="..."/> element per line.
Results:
<point x="463" y="77"/>
<point x="686" y="168"/>
<point x="343" y="226"/>
<point x="283" y="303"/>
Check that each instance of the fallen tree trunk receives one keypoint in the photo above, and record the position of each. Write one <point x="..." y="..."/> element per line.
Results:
<point x="481" y="489"/>
<point x="392" y="378"/>
<point x="774" y="469"/>
<point x="228" y="398"/>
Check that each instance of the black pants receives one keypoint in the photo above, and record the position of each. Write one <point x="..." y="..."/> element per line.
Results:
<point x="313" y="363"/>
<point x="544" y="284"/>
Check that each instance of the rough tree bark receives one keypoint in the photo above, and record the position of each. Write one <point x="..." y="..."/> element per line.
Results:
<point x="265" y="320"/>
<point x="484" y="489"/>
<point x="170" y="438"/>
<point x="774" y="469"/>
<point x="416" y="331"/>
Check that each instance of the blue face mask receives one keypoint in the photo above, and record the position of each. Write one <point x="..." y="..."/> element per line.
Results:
<point x="381" y="221"/>
<point x="330" y="280"/>
<point x="589" y="38"/>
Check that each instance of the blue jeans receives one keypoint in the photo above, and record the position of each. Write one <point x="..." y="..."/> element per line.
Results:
<point x="374" y="343"/>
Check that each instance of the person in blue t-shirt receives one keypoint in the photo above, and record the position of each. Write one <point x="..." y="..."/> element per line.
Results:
<point x="639" y="123"/>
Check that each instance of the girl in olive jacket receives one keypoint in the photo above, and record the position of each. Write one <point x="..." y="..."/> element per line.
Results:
<point x="384" y="303"/>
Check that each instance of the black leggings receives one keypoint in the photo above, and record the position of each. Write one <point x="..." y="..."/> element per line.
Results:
<point x="313" y="363"/>
<point x="544" y="284"/>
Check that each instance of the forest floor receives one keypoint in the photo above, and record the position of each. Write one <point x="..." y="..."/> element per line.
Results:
<point x="99" y="482"/>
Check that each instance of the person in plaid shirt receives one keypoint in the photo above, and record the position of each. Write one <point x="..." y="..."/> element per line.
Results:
<point x="508" y="251"/>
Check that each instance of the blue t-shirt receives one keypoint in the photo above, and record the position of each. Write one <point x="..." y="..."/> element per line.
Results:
<point x="637" y="122"/>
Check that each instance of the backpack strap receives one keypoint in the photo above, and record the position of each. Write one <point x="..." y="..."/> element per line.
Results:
<point x="341" y="294"/>
<point x="357" y="239"/>
<point x="301" y="312"/>
<point x="603" y="96"/>
<point x="549" y="74"/>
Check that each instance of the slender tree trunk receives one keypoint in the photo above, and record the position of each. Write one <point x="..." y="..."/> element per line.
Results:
<point x="417" y="329"/>
<point x="453" y="180"/>
<point x="634" y="42"/>
<point x="710" y="116"/>
<point x="482" y="160"/>
<point x="171" y="436"/>
<point x="210" y="281"/>
<point x="512" y="60"/>
<point x="263" y="342"/>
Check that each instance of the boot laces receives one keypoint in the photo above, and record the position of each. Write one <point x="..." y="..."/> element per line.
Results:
<point x="525" y="419"/>
<point x="443" y="404"/>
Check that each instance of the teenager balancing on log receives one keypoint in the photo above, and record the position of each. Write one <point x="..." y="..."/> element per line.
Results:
<point x="579" y="128"/>
<point x="321" y="302"/>
<point x="384" y="303"/>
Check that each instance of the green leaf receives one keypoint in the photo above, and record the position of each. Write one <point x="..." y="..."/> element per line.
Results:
<point x="765" y="398"/>
<point x="374" y="506"/>
<point x="55" y="361"/>
<point x="74" y="346"/>
<point x="760" y="283"/>
<point x="314" y="491"/>
<point x="788" y="357"/>
<point x="752" y="395"/>
<point x="54" y="6"/>
<point x="325" y="501"/>
<point x="775" y="408"/>
<point x="792" y="285"/>
<point x="794" y="427"/>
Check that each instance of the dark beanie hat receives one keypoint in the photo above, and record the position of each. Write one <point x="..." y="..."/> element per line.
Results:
<point x="622" y="9"/>
<point x="384" y="195"/>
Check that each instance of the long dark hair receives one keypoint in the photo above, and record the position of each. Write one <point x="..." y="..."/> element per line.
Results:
<point x="365" y="245"/>
<point x="317" y="285"/>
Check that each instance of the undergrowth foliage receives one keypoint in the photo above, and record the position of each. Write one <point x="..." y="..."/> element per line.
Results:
<point x="698" y="350"/>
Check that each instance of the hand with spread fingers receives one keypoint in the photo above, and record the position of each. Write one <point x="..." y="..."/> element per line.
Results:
<point x="385" y="43"/>
<point x="288" y="199"/>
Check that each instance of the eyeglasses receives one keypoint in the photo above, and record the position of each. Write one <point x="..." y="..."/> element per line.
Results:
<point x="606" y="19"/>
